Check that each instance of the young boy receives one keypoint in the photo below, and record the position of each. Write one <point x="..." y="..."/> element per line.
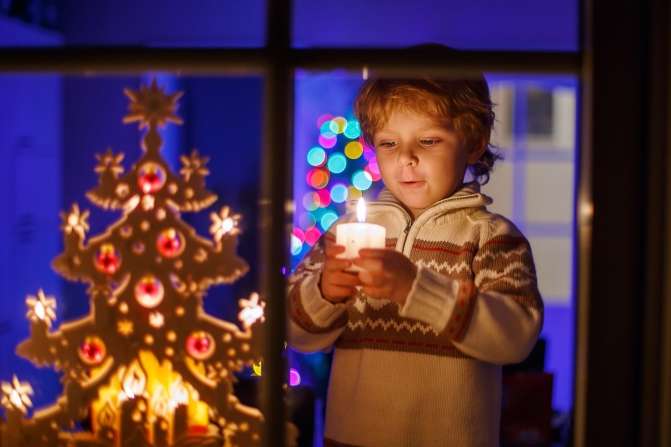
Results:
<point x="421" y="332"/>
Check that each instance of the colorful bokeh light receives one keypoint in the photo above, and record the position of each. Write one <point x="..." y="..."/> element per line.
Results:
<point x="300" y="234"/>
<point x="337" y="163"/>
<point x="318" y="178"/>
<point x="327" y="219"/>
<point x="324" y="198"/>
<point x="316" y="156"/>
<point x="368" y="153"/>
<point x="362" y="180"/>
<point x="328" y="142"/>
<point x="339" y="193"/>
<point x="306" y="220"/>
<point x="353" y="130"/>
<point x="322" y="119"/>
<point x="354" y="150"/>
<point x="312" y="235"/>
<point x="338" y="125"/>
<point x="294" y="377"/>
<point x="353" y="193"/>
<point x="296" y="245"/>
<point x="325" y="130"/>
<point x="374" y="170"/>
<point x="311" y="201"/>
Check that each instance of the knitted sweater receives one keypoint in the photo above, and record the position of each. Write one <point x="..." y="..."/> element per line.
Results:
<point x="427" y="373"/>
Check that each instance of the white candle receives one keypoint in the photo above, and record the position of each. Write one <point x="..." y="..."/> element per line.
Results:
<point x="357" y="235"/>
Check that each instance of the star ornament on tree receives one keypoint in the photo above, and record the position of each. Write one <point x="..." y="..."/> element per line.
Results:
<point x="75" y="221"/>
<point x="224" y="223"/>
<point x="41" y="307"/>
<point x="252" y="310"/>
<point x="152" y="106"/>
<point x="109" y="162"/>
<point x="16" y="395"/>
<point x="194" y="164"/>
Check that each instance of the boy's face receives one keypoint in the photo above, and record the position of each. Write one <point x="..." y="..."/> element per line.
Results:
<point x="421" y="162"/>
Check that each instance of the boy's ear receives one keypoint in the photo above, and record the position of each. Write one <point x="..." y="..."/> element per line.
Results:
<point x="477" y="152"/>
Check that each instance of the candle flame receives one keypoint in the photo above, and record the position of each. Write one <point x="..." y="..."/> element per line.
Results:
<point x="361" y="210"/>
<point x="159" y="402"/>
<point x="134" y="381"/>
<point x="107" y="416"/>
<point x="178" y="394"/>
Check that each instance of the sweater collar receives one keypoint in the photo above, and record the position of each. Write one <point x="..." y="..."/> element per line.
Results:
<point x="467" y="196"/>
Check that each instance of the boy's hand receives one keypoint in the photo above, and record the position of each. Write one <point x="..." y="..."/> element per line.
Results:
<point x="336" y="284"/>
<point x="387" y="274"/>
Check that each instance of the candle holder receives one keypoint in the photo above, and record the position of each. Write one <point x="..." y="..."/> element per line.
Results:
<point x="357" y="235"/>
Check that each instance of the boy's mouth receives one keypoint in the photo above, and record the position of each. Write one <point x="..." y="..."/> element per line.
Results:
<point x="412" y="183"/>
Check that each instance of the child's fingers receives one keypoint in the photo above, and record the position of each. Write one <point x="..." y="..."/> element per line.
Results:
<point x="331" y="250"/>
<point x="339" y="293"/>
<point x="373" y="252"/>
<point x="370" y="264"/>
<point x="376" y="292"/>
<point x="334" y="264"/>
<point x="371" y="279"/>
<point x="344" y="279"/>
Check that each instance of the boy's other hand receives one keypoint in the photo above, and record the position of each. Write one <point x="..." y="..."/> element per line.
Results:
<point x="386" y="274"/>
<point x="336" y="284"/>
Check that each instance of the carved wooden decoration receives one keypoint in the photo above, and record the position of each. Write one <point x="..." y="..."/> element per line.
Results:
<point x="147" y="366"/>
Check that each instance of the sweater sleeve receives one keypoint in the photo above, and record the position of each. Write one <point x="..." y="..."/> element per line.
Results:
<point x="496" y="318"/>
<point x="314" y="323"/>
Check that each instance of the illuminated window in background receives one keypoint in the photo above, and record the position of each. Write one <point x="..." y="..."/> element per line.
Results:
<point x="534" y="187"/>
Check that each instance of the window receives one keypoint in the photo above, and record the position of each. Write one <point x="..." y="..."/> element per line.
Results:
<point x="537" y="126"/>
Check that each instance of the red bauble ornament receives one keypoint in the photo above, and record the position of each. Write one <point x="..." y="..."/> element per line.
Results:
<point x="170" y="243"/>
<point x="107" y="259"/>
<point x="150" y="178"/>
<point x="149" y="291"/>
<point x="200" y="345"/>
<point x="92" y="351"/>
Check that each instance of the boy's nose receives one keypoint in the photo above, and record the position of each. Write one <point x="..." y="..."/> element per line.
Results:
<point x="407" y="156"/>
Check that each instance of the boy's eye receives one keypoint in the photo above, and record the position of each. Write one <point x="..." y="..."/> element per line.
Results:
<point x="387" y="144"/>
<point x="429" y="141"/>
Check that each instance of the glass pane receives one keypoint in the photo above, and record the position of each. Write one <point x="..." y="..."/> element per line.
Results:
<point x="532" y="186"/>
<point x="144" y="23"/>
<point x="148" y="348"/>
<point x="480" y="24"/>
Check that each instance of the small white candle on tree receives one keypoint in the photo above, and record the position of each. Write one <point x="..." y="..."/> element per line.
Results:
<point x="357" y="235"/>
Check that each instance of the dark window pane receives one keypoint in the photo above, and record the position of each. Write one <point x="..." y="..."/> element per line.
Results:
<point x="207" y="23"/>
<point x="476" y="24"/>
